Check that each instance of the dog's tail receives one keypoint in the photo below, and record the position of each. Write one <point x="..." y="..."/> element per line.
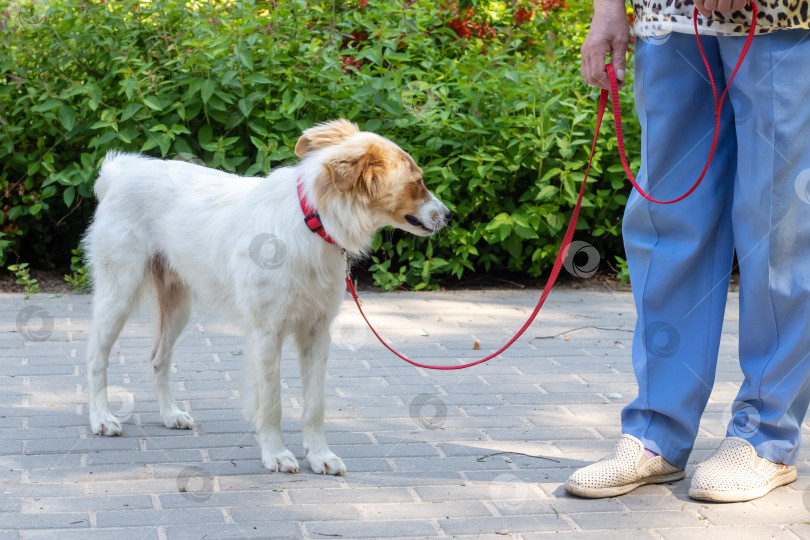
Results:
<point x="114" y="165"/>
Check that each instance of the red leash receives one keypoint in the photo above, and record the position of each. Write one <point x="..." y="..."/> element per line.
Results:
<point x="718" y="105"/>
<point x="569" y="232"/>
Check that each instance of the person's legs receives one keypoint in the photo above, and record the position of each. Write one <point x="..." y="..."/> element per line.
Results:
<point x="679" y="256"/>
<point x="771" y="221"/>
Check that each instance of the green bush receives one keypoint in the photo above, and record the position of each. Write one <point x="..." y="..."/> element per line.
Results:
<point x="501" y="124"/>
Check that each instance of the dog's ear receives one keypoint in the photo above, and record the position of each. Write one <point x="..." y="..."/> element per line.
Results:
<point x="361" y="173"/>
<point x="326" y="134"/>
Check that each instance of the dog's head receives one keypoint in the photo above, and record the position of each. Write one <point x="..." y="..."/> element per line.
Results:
<point x="374" y="171"/>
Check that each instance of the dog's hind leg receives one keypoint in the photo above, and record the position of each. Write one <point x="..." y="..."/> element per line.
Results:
<point x="266" y="359"/>
<point x="116" y="289"/>
<point x="172" y="314"/>
<point x="313" y="349"/>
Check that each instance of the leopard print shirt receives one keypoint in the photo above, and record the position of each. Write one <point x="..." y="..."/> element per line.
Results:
<point x="660" y="17"/>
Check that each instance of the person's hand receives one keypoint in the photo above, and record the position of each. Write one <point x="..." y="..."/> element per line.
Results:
<point x="609" y="32"/>
<point x="705" y="7"/>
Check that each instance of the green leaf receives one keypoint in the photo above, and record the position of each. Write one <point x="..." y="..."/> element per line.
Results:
<point x="258" y="78"/>
<point x="149" y="143"/>
<point x="130" y="110"/>
<point x="68" y="195"/>
<point x="153" y="103"/>
<point x="47" y="106"/>
<point x="207" y="90"/>
<point x="205" y="135"/>
<point x="67" y="117"/>
<point x="546" y="192"/>
<point x="245" y="107"/>
<point x="246" y="58"/>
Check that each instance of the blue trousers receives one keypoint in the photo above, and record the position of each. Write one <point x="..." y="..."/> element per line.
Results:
<point x="755" y="199"/>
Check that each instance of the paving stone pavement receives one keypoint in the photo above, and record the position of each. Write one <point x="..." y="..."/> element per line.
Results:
<point x="476" y="453"/>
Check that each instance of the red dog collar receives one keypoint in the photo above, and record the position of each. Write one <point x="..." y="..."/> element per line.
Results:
<point x="311" y="217"/>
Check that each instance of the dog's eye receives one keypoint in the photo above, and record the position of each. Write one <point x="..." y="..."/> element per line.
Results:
<point x="420" y="182"/>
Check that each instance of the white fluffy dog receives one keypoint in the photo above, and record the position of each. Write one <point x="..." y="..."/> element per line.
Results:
<point x="242" y="245"/>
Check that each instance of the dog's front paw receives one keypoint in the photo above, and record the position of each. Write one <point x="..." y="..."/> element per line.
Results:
<point x="283" y="461"/>
<point x="105" y="424"/>
<point x="178" y="420"/>
<point x="326" y="463"/>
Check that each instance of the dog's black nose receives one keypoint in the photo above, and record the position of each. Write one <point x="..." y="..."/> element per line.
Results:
<point x="448" y="217"/>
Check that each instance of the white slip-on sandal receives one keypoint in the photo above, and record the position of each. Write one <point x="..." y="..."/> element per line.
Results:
<point x="623" y="470"/>
<point x="735" y="473"/>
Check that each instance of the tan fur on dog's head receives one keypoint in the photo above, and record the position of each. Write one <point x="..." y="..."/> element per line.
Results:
<point x="373" y="170"/>
<point x="326" y="134"/>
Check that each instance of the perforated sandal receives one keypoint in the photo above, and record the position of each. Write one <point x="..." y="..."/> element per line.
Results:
<point x="623" y="470"/>
<point x="735" y="473"/>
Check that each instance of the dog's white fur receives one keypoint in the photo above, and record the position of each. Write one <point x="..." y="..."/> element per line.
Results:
<point x="179" y="229"/>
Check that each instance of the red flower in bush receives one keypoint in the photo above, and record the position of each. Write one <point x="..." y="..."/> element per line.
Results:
<point x="357" y="37"/>
<point x="484" y="31"/>
<point x="461" y="24"/>
<point x="362" y="3"/>
<point x="523" y="15"/>
<point x="550" y="5"/>
<point x="350" y="61"/>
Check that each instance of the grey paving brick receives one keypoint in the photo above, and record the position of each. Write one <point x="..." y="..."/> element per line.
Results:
<point x="504" y="525"/>
<point x="634" y="534"/>
<point x="62" y="520"/>
<point x="36" y="434"/>
<point x="373" y="529"/>
<point x="267" y="481"/>
<point x="723" y="533"/>
<point x="164" y="517"/>
<point x="94" y="473"/>
<point x="429" y="510"/>
<point x="220" y="499"/>
<point x="50" y="505"/>
<point x="801" y="530"/>
<point x="49" y="461"/>
<point x="146" y="533"/>
<point x="10" y="504"/>
<point x="404" y="479"/>
<point x="257" y="529"/>
<point x="638" y="519"/>
<point x="335" y="511"/>
<point x="354" y="495"/>
<point x="146" y="456"/>
<point x="743" y="514"/>
<point x="133" y="487"/>
<point x="94" y="444"/>
<point x="62" y="420"/>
